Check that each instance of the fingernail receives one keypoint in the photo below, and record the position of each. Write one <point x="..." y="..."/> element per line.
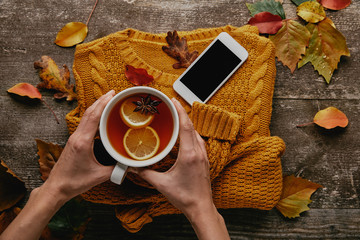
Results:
<point x="111" y="92"/>
<point x="174" y="100"/>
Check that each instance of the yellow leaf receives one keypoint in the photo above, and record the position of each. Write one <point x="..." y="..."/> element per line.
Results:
<point x="296" y="196"/>
<point x="311" y="11"/>
<point x="331" y="117"/>
<point x="71" y="34"/>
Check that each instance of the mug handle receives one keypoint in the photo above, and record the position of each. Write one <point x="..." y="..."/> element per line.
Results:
<point x="119" y="173"/>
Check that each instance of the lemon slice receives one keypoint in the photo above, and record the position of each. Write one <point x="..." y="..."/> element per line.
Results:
<point x="142" y="143"/>
<point x="134" y="119"/>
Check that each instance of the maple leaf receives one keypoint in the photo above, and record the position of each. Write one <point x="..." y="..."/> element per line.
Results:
<point x="138" y="76"/>
<point x="271" y="6"/>
<point x="290" y="43"/>
<point x="7" y="216"/>
<point x="326" y="47"/>
<point x="178" y="49"/>
<point x="54" y="78"/>
<point x="295" y="196"/>
<point x="12" y="189"/>
<point x="311" y="12"/>
<point x="266" y="22"/>
<point x="48" y="154"/>
<point x="71" y="34"/>
<point x="335" y="4"/>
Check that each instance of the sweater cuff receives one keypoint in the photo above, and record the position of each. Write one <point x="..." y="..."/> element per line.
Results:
<point x="214" y="122"/>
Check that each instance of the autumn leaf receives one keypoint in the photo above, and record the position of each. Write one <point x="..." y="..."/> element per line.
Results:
<point x="271" y="6"/>
<point x="178" y="49"/>
<point x="295" y="196"/>
<point x="335" y="4"/>
<point x="290" y="43"/>
<point x="329" y="118"/>
<point x="311" y="12"/>
<point x="138" y="76"/>
<point x="326" y="47"/>
<point x="48" y="154"/>
<point x="298" y="2"/>
<point x="266" y="22"/>
<point x="7" y="216"/>
<point x="12" y="189"/>
<point x="71" y="34"/>
<point x="54" y="78"/>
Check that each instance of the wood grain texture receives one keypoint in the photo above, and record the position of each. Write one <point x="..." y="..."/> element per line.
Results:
<point x="330" y="158"/>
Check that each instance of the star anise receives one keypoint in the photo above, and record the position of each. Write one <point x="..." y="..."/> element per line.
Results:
<point x="147" y="105"/>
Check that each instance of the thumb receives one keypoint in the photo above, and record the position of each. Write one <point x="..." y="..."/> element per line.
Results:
<point x="153" y="177"/>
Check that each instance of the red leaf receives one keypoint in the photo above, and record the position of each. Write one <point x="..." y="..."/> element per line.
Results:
<point x="266" y="22"/>
<point x="138" y="76"/>
<point x="25" y="89"/>
<point x="335" y="4"/>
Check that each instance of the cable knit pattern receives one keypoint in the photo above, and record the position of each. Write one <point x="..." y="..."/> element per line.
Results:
<point x="245" y="166"/>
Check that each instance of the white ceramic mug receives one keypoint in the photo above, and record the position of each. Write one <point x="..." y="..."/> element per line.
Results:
<point x="120" y="169"/>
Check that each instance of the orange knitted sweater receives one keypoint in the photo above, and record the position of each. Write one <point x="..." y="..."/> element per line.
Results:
<point x="245" y="164"/>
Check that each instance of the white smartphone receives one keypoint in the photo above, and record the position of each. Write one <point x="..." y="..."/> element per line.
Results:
<point x="211" y="69"/>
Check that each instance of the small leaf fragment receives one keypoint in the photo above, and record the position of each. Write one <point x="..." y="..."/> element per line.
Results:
<point x="25" y="90"/>
<point x="271" y="6"/>
<point x="178" y="49"/>
<point x="311" y="12"/>
<point x="12" y="189"/>
<point x="71" y="34"/>
<point x="331" y="117"/>
<point x="335" y="4"/>
<point x="290" y="43"/>
<point x="266" y="22"/>
<point x="138" y="76"/>
<point x="298" y="2"/>
<point x="7" y="216"/>
<point x="295" y="196"/>
<point x="48" y="154"/>
<point x="54" y="78"/>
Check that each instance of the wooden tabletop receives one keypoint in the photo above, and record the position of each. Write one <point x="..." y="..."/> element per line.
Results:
<point x="330" y="158"/>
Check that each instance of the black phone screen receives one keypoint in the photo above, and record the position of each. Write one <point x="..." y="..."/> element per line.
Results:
<point x="210" y="70"/>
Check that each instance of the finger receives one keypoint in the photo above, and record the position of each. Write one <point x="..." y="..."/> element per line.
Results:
<point x="201" y="143"/>
<point x="89" y="123"/>
<point x="151" y="176"/>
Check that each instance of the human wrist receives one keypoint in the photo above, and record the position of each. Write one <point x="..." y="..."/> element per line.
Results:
<point x="50" y="194"/>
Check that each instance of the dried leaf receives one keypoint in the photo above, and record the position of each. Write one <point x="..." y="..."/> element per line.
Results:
<point x="290" y="43"/>
<point x="54" y="78"/>
<point x="71" y="34"/>
<point x="7" y="217"/>
<point x="178" y="49"/>
<point x="295" y="196"/>
<point x="335" y="4"/>
<point x="138" y="76"/>
<point x="271" y="6"/>
<point x="48" y="153"/>
<point x="326" y="47"/>
<point x="311" y="12"/>
<point x="12" y="189"/>
<point x="331" y="117"/>
<point x="25" y="90"/>
<point x="266" y="22"/>
<point x="298" y="2"/>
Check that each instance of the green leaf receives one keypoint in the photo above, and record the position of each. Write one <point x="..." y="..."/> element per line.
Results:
<point x="326" y="46"/>
<point x="271" y="6"/>
<point x="298" y="2"/>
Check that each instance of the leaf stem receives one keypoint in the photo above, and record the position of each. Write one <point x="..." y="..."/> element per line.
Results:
<point x="87" y="22"/>
<point x="305" y="124"/>
<point x="57" y="120"/>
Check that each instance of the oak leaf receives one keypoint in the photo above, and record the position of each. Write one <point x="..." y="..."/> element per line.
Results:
<point x="7" y="216"/>
<point x="326" y="47"/>
<point x="48" y="154"/>
<point x="295" y="196"/>
<point x="12" y="189"/>
<point x="290" y="43"/>
<point x="54" y="78"/>
<point x="71" y="34"/>
<point x="271" y="6"/>
<point x="178" y="49"/>
<point x="138" y="76"/>
<point x="335" y="4"/>
<point x="266" y="22"/>
<point x="311" y="12"/>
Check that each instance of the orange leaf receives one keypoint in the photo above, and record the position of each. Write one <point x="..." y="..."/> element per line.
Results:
<point x="295" y="196"/>
<point x="71" y="34"/>
<point x="12" y="189"/>
<point x="335" y="4"/>
<point x="54" y="78"/>
<point x="25" y="89"/>
<point x="48" y="153"/>
<point x="178" y="49"/>
<point x="266" y="22"/>
<point x="138" y="76"/>
<point x="331" y="117"/>
<point x="7" y="217"/>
